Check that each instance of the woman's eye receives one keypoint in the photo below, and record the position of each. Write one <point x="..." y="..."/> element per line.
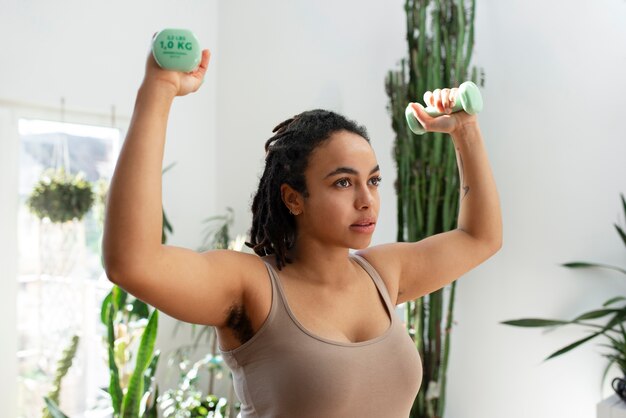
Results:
<point x="376" y="180"/>
<point x="342" y="182"/>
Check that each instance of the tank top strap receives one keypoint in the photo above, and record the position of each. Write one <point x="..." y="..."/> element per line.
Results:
<point x="380" y="284"/>
<point x="278" y="298"/>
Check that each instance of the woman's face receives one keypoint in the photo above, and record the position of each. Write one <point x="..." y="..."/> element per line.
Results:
<point x="342" y="179"/>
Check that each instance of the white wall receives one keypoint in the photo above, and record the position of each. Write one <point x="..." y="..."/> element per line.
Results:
<point x="278" y="59"/>
<point x="93" y="54"/>
<point x="551" y="123"/>
<point x="553" y="129"/>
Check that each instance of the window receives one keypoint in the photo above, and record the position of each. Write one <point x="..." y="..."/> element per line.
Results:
<point x="61" y="282"/>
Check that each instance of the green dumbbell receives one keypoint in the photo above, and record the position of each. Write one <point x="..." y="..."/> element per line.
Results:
<point x="176" y="49"/>
<point x="468" y="99"/>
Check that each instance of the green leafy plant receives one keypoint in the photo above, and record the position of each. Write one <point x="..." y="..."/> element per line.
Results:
<point x="217" y="231"/>
<point x="51" y="410"/>
<point x="130" y="390"/>
<point x="60" y="196"/>
<point x="187" y="400"/>
<point x="613" y="329"/>
<point x="440" y="36"/>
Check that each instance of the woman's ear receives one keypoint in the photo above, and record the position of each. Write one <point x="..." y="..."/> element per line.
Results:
<point x="292" y="199"/>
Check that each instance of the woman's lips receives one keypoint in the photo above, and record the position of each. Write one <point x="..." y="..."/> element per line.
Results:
<point x="366" y="229"/>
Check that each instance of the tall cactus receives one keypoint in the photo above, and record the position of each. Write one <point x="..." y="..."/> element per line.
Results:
<point x="440" y="37"/>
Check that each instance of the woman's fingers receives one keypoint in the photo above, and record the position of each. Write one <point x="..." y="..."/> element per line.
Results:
<point x="453" y="93"/>
<point x="200" y="71"/>
<point x="445" y="101"/>
<point x="428" y="99"/>
<point x="437" y="100"/>
<point x="441" y="99"/>
<point x="444" y="123"/>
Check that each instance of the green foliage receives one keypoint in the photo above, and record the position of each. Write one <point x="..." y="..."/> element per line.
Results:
<point x="181" y="403"/>
<point x="135" y="391"/>
<point x="51" y="410"/>
<point x="617" y="316"/>
<point x="187" y="399"/>
<point x="61" y="197"/>
<point x="129" y="399"/>
<point x="217" y="231"/>
<point x="115" y="389"/>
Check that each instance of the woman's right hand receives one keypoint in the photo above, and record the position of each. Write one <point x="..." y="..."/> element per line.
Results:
<point x="181" y="83"/>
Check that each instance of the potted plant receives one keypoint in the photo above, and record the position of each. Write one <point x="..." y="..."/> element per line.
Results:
<point x="187" y="399"/>
<point x="60" y="196"/>
<point x="613" y="330"/>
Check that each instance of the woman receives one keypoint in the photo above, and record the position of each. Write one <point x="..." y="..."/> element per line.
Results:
<point x="307" y="328"/>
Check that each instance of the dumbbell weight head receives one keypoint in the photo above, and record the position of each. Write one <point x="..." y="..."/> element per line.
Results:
<point x="177" y="50"/>
<point x="468" y="99"/>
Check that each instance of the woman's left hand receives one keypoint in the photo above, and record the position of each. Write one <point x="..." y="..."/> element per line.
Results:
<point x="443" y="100"/>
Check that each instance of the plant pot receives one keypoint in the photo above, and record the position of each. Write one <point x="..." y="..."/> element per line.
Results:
<point x="619" y="386"/>
<point x="611" y="407"/>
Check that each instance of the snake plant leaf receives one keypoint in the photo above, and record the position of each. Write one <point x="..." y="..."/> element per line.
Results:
<point x="534" y="322"/>
<point x="115" y="390"/>
<point x="106" y="305"/>
<point x="132" y="400"/>
<point x="613" y="300"/>
<point x="119" y="297"/>
<point x="53" y="408"/>
<point x="582" y="264"/>
<point x="151" y="370"/>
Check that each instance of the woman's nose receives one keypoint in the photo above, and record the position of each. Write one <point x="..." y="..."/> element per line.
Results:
<point x="364" y="198"/>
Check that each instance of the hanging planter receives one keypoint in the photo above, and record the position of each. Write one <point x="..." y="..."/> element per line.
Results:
<point x="61" y="197"/>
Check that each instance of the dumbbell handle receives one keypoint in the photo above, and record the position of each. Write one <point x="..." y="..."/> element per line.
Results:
<point x="467" y="99"/>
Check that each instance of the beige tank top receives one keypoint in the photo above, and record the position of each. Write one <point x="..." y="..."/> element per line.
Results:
<point x="284" y="371"/>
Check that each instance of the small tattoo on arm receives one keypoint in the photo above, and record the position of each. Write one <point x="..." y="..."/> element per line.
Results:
<point x="466" y="188"/>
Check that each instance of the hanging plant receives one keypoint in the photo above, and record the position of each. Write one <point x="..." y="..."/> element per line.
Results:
<point x="60" y="196"/>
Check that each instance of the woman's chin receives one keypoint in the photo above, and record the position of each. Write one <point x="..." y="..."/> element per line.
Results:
<point x="361" y="244"/>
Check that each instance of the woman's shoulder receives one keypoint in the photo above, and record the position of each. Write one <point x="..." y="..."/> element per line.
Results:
<point x="380" y="260"/>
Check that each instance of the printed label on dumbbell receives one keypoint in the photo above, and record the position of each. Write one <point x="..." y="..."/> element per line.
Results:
<point x="176" y="49"/>
<point x="176" y="44"/>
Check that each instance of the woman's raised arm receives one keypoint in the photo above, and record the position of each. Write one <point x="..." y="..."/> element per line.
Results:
<point x="191" y="286"/>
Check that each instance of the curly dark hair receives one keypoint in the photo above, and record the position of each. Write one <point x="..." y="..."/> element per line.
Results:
<point x="286" y="157"/>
